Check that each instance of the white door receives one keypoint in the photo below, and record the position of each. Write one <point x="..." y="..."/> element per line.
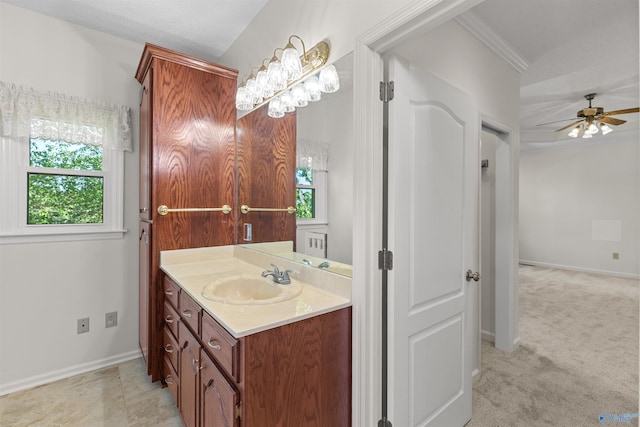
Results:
<point x="433" y="233"/>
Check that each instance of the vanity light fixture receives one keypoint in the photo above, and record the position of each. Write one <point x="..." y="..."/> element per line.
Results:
<point x="289" y="82"/>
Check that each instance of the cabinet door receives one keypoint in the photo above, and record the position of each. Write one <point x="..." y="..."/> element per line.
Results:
<point x="144" y="252"/>
<point x="189" y="375"/>
<point x="218" y="398"/>
<point x="146" y="129"/>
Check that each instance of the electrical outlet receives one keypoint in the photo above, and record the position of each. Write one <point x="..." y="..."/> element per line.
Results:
<point x="616" y="255"/>
<point x="111" y="319"/>
<point x="83" y="325"/>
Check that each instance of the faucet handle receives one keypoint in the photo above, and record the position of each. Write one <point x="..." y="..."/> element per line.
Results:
<point x="275" y="268"/>
<point x="285" y="275"/>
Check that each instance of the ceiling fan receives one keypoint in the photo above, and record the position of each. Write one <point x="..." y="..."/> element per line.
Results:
<point x="591" y="120"/>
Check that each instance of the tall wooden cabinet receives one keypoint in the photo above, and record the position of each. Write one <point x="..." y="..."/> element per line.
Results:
<point x="187" y="160"/>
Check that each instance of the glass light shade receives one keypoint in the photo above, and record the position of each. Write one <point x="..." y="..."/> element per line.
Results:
<point x="243" y="101"/>
<point x="329" y="81"/>
<point x="312" y="86"/>
<point x="291" y="63"/>
<point x="574" y="132"/>
<point x="287" y="101"/>
<point x="276" y="76"/>
<point x="262" y="83"/>
<point x="591" y="129"/>
<point x="587" y="135"/>
<point x="299" y="95"/>
<point x="275" y="108"/>
<point x="252" y="91"/>
<point x="605" y="128"/>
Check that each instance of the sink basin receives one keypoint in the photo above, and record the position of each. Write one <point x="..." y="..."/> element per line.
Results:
<point x="249" y="290"/>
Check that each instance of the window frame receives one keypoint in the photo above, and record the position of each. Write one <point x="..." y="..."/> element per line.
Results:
<point x="15" y="167"/>
<point x="320" y="180"/>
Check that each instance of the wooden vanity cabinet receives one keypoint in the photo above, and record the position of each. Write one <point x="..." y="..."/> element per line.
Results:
<point x="297" y="374"/>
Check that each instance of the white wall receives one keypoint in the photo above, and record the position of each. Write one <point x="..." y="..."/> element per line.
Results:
<point x="567" y="191"/>
<point x="337" y="22"/>
<point x="45" y="288"/>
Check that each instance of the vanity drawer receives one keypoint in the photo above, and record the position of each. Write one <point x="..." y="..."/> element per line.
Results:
<point x="171" y="291"/>
<point x="190" y="312"/>
<point x="170" y="378"/>
<point x="221" y="345"/>
<point x="170" y="318"/>
<point x="170" y="347"/>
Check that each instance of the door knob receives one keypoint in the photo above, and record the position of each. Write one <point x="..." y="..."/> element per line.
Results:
<point x="471" y="275"/>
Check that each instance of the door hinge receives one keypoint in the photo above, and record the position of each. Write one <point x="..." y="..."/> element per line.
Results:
<point x="386" y="91"/>
<point x="239" y="410"/>
<point x="385" y="260"/>
<point x="384" y="423"/>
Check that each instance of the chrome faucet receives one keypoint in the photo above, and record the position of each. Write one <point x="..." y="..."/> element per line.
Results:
<point x="323" y="265"/>
<point x="279" y="277"/>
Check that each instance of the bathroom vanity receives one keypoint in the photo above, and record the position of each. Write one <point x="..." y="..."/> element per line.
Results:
<point x="257" y="354"/>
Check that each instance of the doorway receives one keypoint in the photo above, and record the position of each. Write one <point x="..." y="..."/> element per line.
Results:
<point x="405" y="26"/>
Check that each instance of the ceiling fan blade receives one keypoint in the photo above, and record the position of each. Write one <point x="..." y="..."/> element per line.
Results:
<point x="625" y="111"/>
<point x="557" y="121"/>
<point x="569" y="126"/>
<point x="611" y="121"/>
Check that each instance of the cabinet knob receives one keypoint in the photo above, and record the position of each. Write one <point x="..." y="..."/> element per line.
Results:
<point x="168" y="319"/>
<point x="212" y="344"/>
<point x="168" y="379"/>
<point x="168" y="292"/>
<point x="168" y="348"/>
<point x="186" y="313"/>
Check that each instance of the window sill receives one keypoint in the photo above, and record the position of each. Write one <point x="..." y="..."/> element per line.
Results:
<point x="11" y="239"/>
<point x="310" y="222"/>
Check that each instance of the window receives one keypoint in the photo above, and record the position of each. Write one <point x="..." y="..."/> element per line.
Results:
<point x="311" y="195"/>
<point x="63" y="180"/>
<point x="305" y="194"/>
<point x="65" y="183"/>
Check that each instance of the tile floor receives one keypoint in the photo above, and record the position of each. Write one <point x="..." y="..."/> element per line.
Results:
<point x="117" y="396"/>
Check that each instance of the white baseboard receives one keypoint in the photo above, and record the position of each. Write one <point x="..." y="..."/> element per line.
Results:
<point x="487" y="336"/>
<point x="67" y="372"/>
<point x="581" y="269"/>
<point x="475" y="376"/>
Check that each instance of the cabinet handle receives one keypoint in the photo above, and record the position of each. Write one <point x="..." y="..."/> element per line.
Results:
<point x="168" y="319"/>
<point x="168" y="348"/>
<point x="168" y="292"/>
<point x="186" y="313"/>
<point x="168" y="379"/>
<point x="211" y="343"/>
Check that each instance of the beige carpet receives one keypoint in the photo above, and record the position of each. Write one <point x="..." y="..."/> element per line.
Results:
<point x="578" y="354"/>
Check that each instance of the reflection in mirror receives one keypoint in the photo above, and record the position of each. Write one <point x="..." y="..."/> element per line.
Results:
<point x="325" y="140"/>
<point x="284" y="250"/>
<point x="324" y="180"/>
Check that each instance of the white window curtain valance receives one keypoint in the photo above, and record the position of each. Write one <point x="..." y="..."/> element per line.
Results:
<point x="312" y="154"/>
<point x="25" y="112"/>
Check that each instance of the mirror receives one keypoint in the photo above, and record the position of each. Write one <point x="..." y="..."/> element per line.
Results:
<point x="326" y="127"/>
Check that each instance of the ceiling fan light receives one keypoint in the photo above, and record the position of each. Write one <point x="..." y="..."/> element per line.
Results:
<point x="591" y="129"/>
<point x="587" y="135"/>
<point x="605" y="128"/>
<point x="574" y="132"/>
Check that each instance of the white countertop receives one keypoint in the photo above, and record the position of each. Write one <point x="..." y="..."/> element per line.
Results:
<point x="194" y="269"/>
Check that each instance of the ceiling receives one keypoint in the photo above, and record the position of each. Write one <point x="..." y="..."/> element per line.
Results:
<point x="563" y="48"/>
